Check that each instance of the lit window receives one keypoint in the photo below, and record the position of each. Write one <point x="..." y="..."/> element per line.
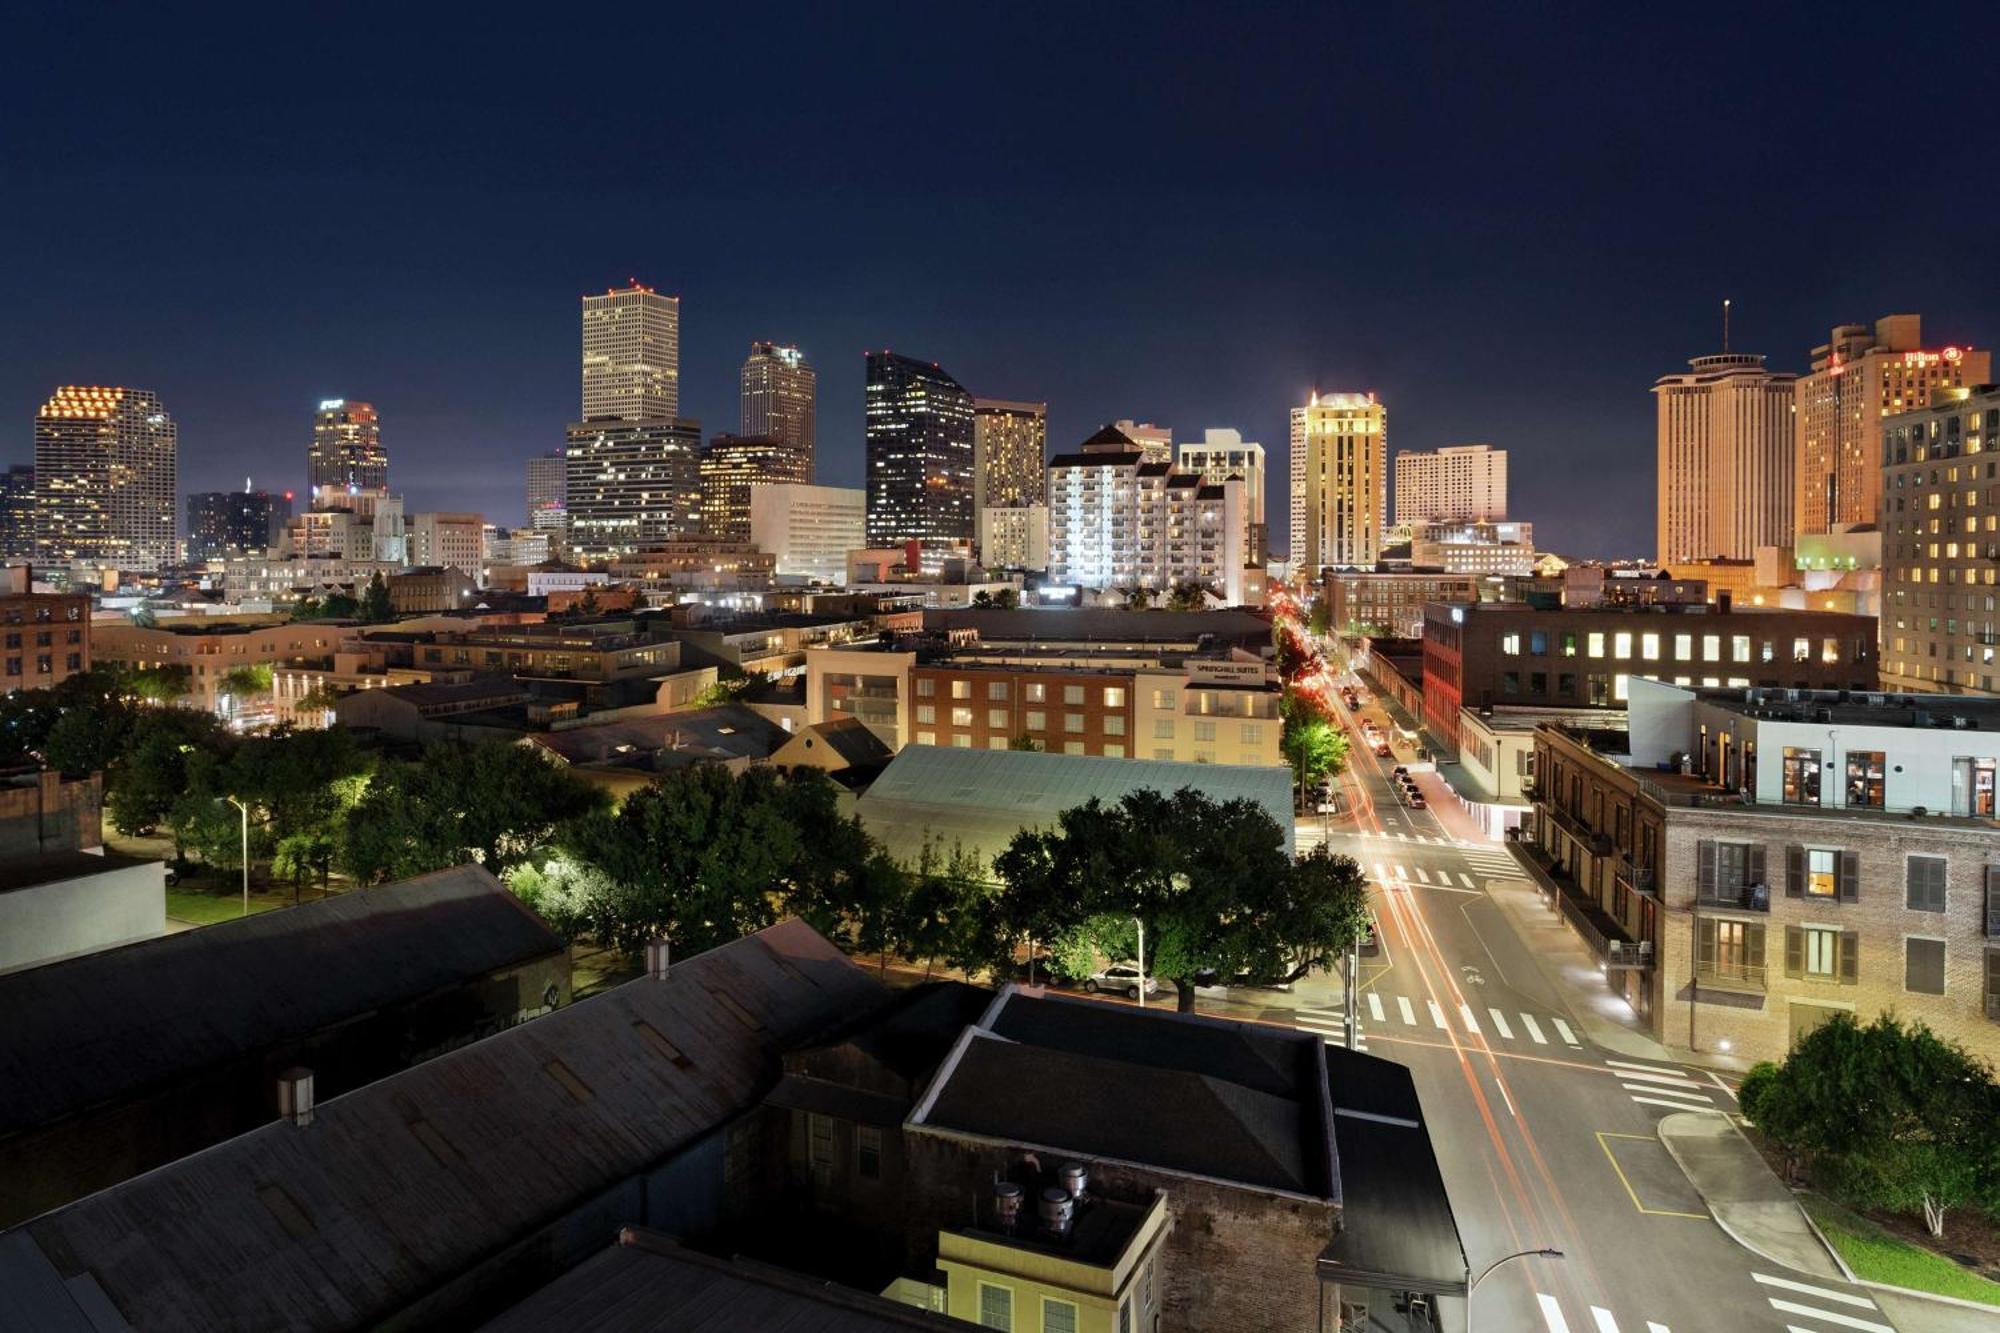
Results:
<point x="1621" y="646"/>
<point x="1822" y="872"/>
<point x="1036" y="720"/>
<point x="961" y="717"/>
<point x="1114" y="696"/>
<point x="1596" y="643"/>
<point x="1649" y="647"/>
<point x="961" y="689"/>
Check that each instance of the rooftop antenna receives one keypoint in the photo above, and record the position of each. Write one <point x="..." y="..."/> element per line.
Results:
<point x="1725" y="324"/>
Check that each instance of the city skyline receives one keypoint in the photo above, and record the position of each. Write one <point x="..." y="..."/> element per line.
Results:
<point x="452" y="311"/>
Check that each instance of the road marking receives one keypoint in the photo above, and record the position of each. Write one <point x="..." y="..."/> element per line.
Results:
<point x="1466" y="880"/>
<point x="1604" y="1138"/>
<point x="1437" y="1014"/>
<point x="1552" y="1313"/>
<point x="1830" y="1316"/>
<point x="1380" y="871"/>
<point x="1562" y="1028"/>
<point x="1534" y="1029"/>
<point x="1655" y="1069"/>
<point x="1375" y="1007"/>
<point x="1605" y="1323"/>
<point x="1403" y="1007"/>
<point x="1652" y="1327"/>
<point x="1678" y="1106"/>
<point x="1422" y="878"/>
<point x="1402" y="874"/>
<point x="1471" y="1023"/>
<point x="1670" y="1080"/>
<point x="1500" y="1023"/>
<point x="1690" y="1098"/>
<point x="1824" y="1293"/>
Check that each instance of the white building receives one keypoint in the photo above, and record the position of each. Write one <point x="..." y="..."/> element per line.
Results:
<point x="631" y="355"/>
<point x="554" y="576"/>
<point x="808" y="530"/>
<point x="1155" y="442"/>
<point x="1460" y="483"/>
<point x="1117" y="520"/>
<point x="1474" y="548"/>
<point x="1223" y="454"/>
<point x="1014" y="538"/>
<point x="455" y="541"/>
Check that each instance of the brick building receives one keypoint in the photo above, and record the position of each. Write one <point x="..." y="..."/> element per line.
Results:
<point x="46" y="635"/>
<point x="1378" y="602"/>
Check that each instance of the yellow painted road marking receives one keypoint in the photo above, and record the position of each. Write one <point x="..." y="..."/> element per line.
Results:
<point x="1603" y="1141"/>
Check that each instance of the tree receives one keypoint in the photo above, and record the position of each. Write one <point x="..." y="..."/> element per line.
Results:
<point x="1136" y="598"/>
<point x="318" y="699"/>
<point x="1187" y="597"/>
<point x="334" y="606"/>
<point x="247" y="682"/>
<point x="1007" y="599"/>
<point x="160" y="765"/>
<point x="1313" y="747"/>
<point x="982" y="601"/>
<point x="1026" y="743"/>
<point x="588" y="605"/>
<point x="375" y="607"/>
<point x="1320" y="621"/>
<point x="941" y="897"/>
<point x="164" y="684"/>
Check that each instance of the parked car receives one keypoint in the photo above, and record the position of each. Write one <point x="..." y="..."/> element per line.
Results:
<point x="1120" y="979"/>
<point x="1399" y="771"/>
<point x="1382" y="750"/>
<point x="1370" y="945"/>
<point x="1416" y="801"/>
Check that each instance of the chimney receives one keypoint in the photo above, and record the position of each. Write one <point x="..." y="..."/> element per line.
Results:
<point x="1057" y="1209"/>
<point x="295" y="1096"/>
<point x="658" y="954"/>
<point x="1074" y="1178"/>
<point x="1006" y="1205"/>
<point x="1722" y="603"/>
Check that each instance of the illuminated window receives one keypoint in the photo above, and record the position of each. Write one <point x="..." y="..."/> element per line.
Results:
<point x="1114" y="696"/>
<point x="1711" y="647"/>
<point x="1569" y="643"/>
<point x="961" y="689"/>
<point x="927" y="713"/>
<point x="1596" y="648"/>
<point x="1621" y="646"/>
<point x="1822" y="872"/>
<point x="1036" y="720"/>
<point x="1739" y="648"/>
<point x="1510" y="644"/>
<point x="996" y="718"/>
<point x="1683" y="647"/>
<point x="1649" y="647"/>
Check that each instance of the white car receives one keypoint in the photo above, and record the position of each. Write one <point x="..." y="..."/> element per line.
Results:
<point x="1120" y="979"/>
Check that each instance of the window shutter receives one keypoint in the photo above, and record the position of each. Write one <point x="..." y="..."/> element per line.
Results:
<point x="1934" y="901"/>
<point x="1850" y="957"/>
<point x="1992" y="902"/>
<point x="1795" y="871"/>
<point x="1704" y="945"/>
<point x="1704" y="868"/>
<point x="1753" y="865"/>
<point x="1795" y="951"/>
<point x="1753" y="944"/>
<point x="1848" y="882"/>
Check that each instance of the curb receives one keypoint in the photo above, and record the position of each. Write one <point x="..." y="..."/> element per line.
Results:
<point x="1911" y="1292"/>
<point x="1731" y="1231"/>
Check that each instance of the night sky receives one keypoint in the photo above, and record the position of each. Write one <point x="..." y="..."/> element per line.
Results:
<point x="1508" y="222"/>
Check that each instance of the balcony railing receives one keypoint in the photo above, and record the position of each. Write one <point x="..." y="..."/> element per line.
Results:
<point x="1639" y="879"/>
<point x="1730" y="976"/>
<point x="1743" y="898"/>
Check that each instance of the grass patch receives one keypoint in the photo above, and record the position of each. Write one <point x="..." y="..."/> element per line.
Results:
<point x="205" y="909"/>
<point x="1877" y="1256"/>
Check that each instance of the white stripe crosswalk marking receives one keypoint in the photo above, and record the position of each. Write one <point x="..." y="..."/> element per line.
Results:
<point x="1375" y="1007"/>
<point x="1500" y="1024"/>
<point x="1471" y="1023"/>
<point x="1692" y="1099"/>
<point x="1534" y="1029"/>
<point x="1652" y="1327"/>
<point x="1562" y="1030"/>
<point x="1403" y="1007"/>
<point x="1552" y="1313"/>
<point x="1403" y="837"/>
<point x="1380" y="871"/>
<point x="1830" y="1316"/>
<point x="1437" y="1014"/>
<point x="1824" y="1293"/>
<point x="1422" y="877"/>
<point x="1466" y="880"/>
<point x="1664" y="1080"/>
<point x="1605" y="1323"/>
<point x="1653" y="1069"/>
<point x="1678" y="1106"/>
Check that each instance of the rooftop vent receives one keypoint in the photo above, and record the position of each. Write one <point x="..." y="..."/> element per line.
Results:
<point x="1075" y="1177"/>
<point x="295" y="1096"/>
<point x="1057" y="1209"/>
<point x="1006" y="1205"/>
<point x="658" y="955"/>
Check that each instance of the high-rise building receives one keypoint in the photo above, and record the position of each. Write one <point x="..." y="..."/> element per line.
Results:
<point x="1156" y="443"/>
<point x="1014" y="538"/>
<point x="631" y="355"/>
<point x="221" y="524"/>
<point x="919" y="427"/>
<point x="106" y="477"/>
<point x="450" y="541"/>
<point x="17" y="512"/>
<point x="1725" y="459"/>
<point x="346" y="452"/>
<point x="630" y="483"/>
<point x="732" y="466"/>
<point x="1340" y="481"/>
<point x="547" y="482"/>
<point x="1940" y="547"/>
<point x="808" y="530"/>
<point x="1860" y="376"/>
<point x="1223" y="454"/>
<point x="1009" y="442"/>
<point x="1119" y="520"/>
<point x="1460" y="483"/>
<point x="777" y="391"/>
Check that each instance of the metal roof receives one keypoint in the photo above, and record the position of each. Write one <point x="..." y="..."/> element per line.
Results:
<point x="401" y="1187"/>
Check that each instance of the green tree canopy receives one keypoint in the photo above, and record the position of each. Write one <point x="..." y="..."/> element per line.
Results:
<point x="247" y="681"/>
<point x="1187" y="597"/>
<point x="1312" y="746"/>
<point x="375" y="607"/>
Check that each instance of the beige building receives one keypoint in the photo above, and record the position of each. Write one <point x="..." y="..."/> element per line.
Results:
<point x="1460" y="483"/>
<point x="1861" y="376"/>
<point x="776" y="398"/>
<point x="106" y="477"/>
<point x="631" y="355"/>
<point x="453" y="541"/>
<point x="1725" y="449"/>
<point x="733" y="467"/>
<point x="1223" y="454"/>
<point x="1340" y="481"/>
<point x="808" y="530"/>
<point x="1009" y="442"/>
<point x="295" y="652"/>
<point x="1941" y="545"/>
<point x="1120" y="520"/>
<point x="1155" y="442"/>
<point x="1014" y="538"/>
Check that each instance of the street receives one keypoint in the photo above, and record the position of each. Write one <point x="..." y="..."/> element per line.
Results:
<point x="1546" y="1138"/>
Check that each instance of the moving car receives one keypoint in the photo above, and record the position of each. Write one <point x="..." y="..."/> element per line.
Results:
<point x="1120" y="979"/>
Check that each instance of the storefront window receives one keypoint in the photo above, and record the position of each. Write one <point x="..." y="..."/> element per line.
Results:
<point x="1864" y="778"/>
<point x="1801" y="776"/>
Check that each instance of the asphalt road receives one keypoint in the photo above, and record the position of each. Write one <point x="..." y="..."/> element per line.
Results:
<point x="1544" y="1138"/>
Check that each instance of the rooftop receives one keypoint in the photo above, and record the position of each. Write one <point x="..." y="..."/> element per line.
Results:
<point x="728" y="731"/>
<point x="55" y="867"/>
<point x="1855" y="708"/>
<point x="1106" y="626"/>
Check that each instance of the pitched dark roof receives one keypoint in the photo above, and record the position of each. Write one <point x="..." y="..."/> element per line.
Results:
<point x="1107" y="458"/>
<point x="850" y="738"/>
<point x="108" y="1025"/>
<point x="401" y="1187"/>
<point x="1110" y="436"/>
<point x="1397" y="1228"/>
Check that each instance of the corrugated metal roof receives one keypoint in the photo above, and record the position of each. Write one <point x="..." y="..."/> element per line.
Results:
<point x="399" y="1187"/>
<point x="98" y="1028"/>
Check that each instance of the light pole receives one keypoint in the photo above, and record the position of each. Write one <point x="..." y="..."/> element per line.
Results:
<point x="1486" y="1272"/>
<point x="245" y="810"/>
<point x="1142" y="960"/>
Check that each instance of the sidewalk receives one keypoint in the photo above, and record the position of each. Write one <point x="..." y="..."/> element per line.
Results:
<point x="1746" y="1199"/>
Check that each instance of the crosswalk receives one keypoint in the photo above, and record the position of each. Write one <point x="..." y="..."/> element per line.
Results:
<point x="1793" y="1299"/>
<point x="1392" y="835"/>
<point x="1668" y="1086"/>
<point x="1389" y="1013"/>
<point x="1405" y="876"/>
<point x="1601" y="1319"/>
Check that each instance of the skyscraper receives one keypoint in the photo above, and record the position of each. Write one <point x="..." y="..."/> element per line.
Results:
<point x="547" y="484"/>
<point x="631" y="355"/>
<point x="1223" y="454"/>
<point x="1008" y="445"/>
<point x="17" y="513"/>
<point x="1859" y="376"/>
<point x="1119" y="520"/>
<point x="631" y="483"/>
<point x="346" y="451"/>
<point x="221" y="524"/>
<point x="776" y="397"/>
<point x="732" y="466"/>
<point x="919" y="426"/>
<point x="1156" y="443"/>
<point x="1725" y="459"/>
<point x="1340" y="481"/>
<point x="106" y="475"/>
<point x="1460" y="483"/>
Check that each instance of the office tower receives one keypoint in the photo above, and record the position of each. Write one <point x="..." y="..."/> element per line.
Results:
<point x="1014" y="537"/>
<point x="547" y="484"/>
<point x="1009" y="441"/>
<point x="1156" y="443"/>
<point x="222" y="524"/>
<point x="732" y="466"/>
<point x="631" y="355"/>
<point x="919" y="427"/>
<point x="777" y="390"/>
<point x="808" y="530"/>
<point x="1940" y="546"/>
<point x="106" y="473"/>
<point x="1223" y="454"/>
<point x="1339" y="481"/>
<point x="1725" y="459"/>
<point x="1860" y="376"/>
<point x="630" y="483"/>
<point x="1460" y="483"/>
<point x="17" y="513"/>
<point x="451" y="540"/>
<point x="346" y="451"/>
<point x="1120" y="520"/>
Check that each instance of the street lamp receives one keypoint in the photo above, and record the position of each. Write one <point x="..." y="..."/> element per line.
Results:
<point x="1473" y="1285"/>
<point x="246" y="850"/>
<point x="1142" y="960"/>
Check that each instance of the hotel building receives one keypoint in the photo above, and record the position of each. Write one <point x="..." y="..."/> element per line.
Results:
<point x="631" y="355"/>
<point x="1340" y="481"/>
<point x="1460" y="483"/>
<point x="1726" y="452"/>
<point x="106" y="479"/>
<point x="1223" y="454"/>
